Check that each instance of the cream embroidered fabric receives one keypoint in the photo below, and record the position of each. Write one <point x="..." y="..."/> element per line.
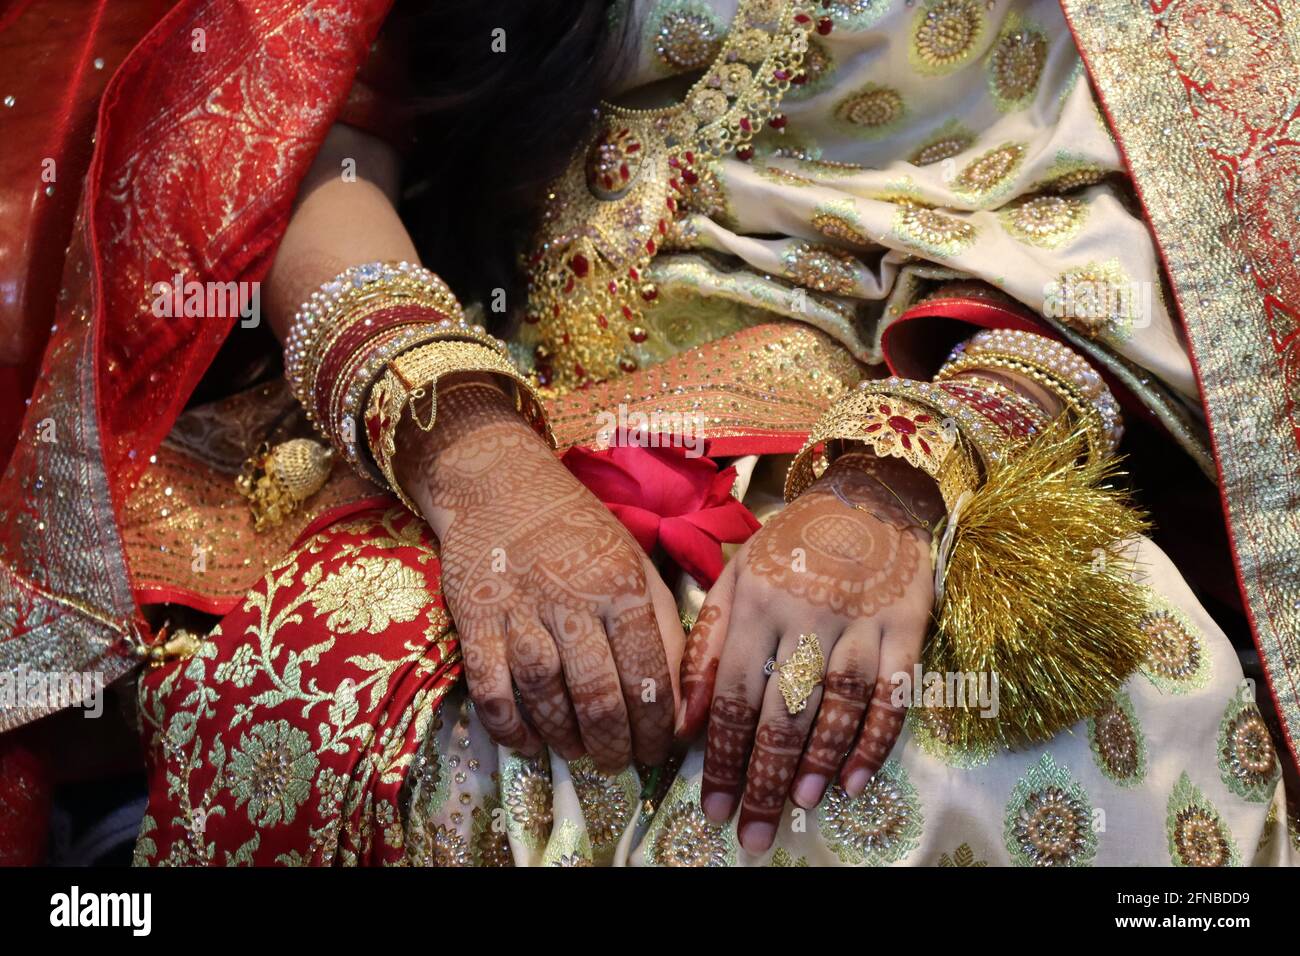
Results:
<point x="958" y="132"/>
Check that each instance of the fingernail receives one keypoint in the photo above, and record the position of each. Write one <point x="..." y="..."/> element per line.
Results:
<point x="809" y="789"/>
<point x="756" y="836"/>
<point x="718" y="806"/>
<point x="857" y="782"/>
<point x="694" y="710"/>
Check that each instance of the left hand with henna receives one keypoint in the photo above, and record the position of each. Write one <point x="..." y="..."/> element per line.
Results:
<point x="848" y="561"/>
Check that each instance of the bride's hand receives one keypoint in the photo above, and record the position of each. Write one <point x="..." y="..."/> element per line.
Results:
<point x="848" y="561"/>
<point x="549" y="593"/>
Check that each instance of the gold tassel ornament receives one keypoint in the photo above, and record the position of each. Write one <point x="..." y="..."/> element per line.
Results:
<point x="277" y="480"/>
<point x="1037" y="590"/>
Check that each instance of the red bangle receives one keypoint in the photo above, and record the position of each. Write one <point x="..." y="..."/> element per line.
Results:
<point x="354" y="338"/>
<point x="1013" y="421"/>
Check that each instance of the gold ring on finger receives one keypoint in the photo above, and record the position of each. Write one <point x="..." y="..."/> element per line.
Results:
<point x="802" y="672"/>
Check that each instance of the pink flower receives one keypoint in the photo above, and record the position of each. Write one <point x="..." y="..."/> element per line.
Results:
<point x="666" y="498"/>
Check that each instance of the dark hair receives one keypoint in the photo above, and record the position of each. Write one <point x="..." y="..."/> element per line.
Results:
<point x="493" y="129"/>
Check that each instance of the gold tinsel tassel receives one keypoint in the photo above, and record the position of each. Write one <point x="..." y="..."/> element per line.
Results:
<point x="1037" y="591"/>
<point x="277" y="480"/>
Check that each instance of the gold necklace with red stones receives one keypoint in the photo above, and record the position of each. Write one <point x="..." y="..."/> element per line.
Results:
<point x="606" y="217"/>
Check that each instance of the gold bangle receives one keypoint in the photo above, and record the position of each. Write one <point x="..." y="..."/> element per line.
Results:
<point x="349" y="291"/>
<point x="364" y="310"/>
<point x="351" y="388"/>
<point x="1027" y="406"/>
<point x="1099" y="436"/>
<point x="1051" y="364"/>
<point x="915" y="421"/>
<point x="412" y="378"/>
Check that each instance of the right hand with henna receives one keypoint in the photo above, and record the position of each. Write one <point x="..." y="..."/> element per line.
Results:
<point x="549" y="593"/>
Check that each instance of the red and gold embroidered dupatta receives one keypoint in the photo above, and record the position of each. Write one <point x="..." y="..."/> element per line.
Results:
<point x="202" y="138"/>
<point x="1202" y="98"/>
<point x="209" y="126"/>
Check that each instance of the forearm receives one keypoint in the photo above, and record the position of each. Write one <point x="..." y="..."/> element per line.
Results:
<point x="338" y="222"/>
<point x="386" y="330"/>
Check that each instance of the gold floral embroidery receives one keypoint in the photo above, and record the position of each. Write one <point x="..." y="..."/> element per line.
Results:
<point x="839" y="220"/>
<point x="880" y="826"/>
<point x="1117" y="742"/>
<point x="681" y="835"/>
<point x="873" y="110"/>
<point x="1097" y="298"/>
<point x="990" y="173"/>
<point x="607" y="804"/>
<point x="1197" y="834"/>
<point x="821" y="268"/>
<point x="1015" y="64"/>
<point x="1178" y="661"/>
<point x="239" y="670"/>
<point x="369" y="595"/>
<point x="1247" y="758"/>
<point x="945" y="34"/>
<point x="428" y="783"/>
<point x="1049" y="819"/>
<point x="272" y="771"/>
<point x="1046" y="221"/>
<point x="489" y="844"/>
<point x="932" y="232"/>
<point x="440" y="845"/>
<point x="276" y="765"/>
<point x="1069" y="172"/>
<point x="526" y="792"/>
<point x="685" y="35"/>
<point x="933" y="730"/>
<point x="948" y="141"/>
<point x="962" y="856"/>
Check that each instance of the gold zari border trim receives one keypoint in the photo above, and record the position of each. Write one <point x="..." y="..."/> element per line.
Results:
<point x="1176" y="102"/>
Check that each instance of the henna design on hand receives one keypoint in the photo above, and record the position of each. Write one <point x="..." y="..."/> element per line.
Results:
<point x="699" y="668"/>
<point x="731" y="733"/>
<point x="535" y="666"/>
<point x="639" y="656"/>
<point x="777" y="747"/>
<point x="850" y="551"/>
<point x="594" y="688"/>
<point x="485" y="665"/>
<point x="844" y="701"/>
<point x="854" y="565"/>
<point x="879" y="733"/>
<point x="523" y="541"/>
